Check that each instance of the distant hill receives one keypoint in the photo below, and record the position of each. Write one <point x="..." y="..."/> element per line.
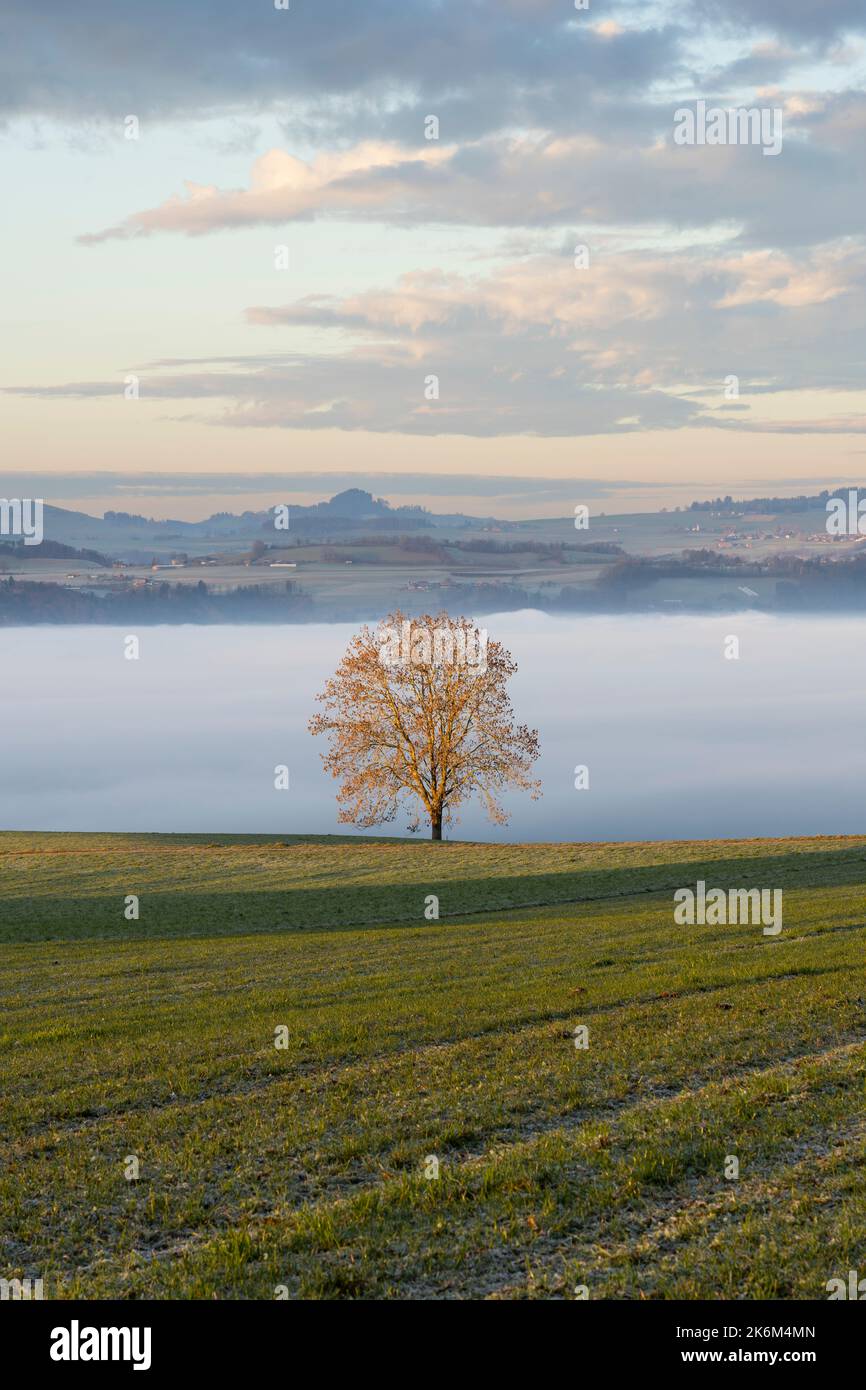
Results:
<point x="353" y="512"/>
<point x="19" y="553"/>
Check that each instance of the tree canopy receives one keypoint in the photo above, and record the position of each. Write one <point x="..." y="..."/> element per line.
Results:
<point x="418" y="710"/>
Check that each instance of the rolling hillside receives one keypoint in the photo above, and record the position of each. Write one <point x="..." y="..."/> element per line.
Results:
<point x="299" y="1170"/>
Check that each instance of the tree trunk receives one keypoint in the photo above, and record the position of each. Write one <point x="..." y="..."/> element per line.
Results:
<point x="436" y="826"/>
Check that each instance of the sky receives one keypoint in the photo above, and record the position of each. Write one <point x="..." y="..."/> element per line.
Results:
<point x="451" y="246"/>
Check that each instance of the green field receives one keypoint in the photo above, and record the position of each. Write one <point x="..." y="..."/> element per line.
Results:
<point x="303" y="1168"/>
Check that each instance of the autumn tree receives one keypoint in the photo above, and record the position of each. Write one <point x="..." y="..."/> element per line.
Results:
<point x="418" y="710"/>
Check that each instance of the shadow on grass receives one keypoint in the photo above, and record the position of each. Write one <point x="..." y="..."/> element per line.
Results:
<point x="227" y="910"/>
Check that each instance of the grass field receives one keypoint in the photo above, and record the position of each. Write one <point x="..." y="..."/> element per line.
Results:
<point x="303" y="1168"/>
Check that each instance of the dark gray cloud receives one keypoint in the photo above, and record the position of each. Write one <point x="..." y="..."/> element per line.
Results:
<point x="327" y="64"/>
<point x="341" y="70"/>
<point x="822" y="20"/>
<point x="341" y="65"/>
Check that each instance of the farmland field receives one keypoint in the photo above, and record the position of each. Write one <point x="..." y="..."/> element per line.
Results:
<point x="300" y="1170"/>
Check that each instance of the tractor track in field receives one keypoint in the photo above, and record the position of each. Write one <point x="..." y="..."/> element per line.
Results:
<point x="329" y="1071"/>
<point x="495" y="1273"/>
<point x="499" y="1141"/>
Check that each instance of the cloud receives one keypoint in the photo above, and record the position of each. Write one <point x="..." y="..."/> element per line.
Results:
<point x="321" y="63"/>
<point x="770" y="277"/>
<point x="546" y="180"/>
<point x="636" y="341"/>
<point x="799" y="19"/>
<point x="362" y="181"/>
<point x="834" y="424"/>
<point x="331" y="66"/>
<point x="552" y="292"/>
<point x="549" y="117"/>
<point x="485" y="398"/>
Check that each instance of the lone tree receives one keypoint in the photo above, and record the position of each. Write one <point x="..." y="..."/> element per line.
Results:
<point x="419" y="709"/>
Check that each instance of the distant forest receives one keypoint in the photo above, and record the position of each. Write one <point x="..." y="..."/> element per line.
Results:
<point x="768" y="505"/>
<point x="23" y="603"/>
